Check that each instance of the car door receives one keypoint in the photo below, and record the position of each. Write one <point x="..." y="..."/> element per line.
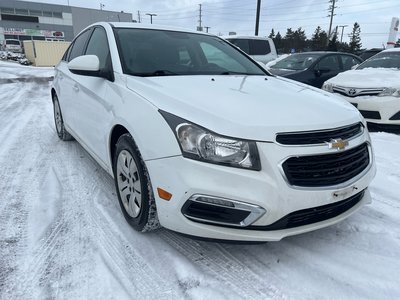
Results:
<point x="68" y="83"/>
<point x="327" y="67"/>
<point x="95" y="109"/>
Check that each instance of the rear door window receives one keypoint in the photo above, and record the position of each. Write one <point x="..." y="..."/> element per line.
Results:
<point x="329" y="63"/>
<point x="242" y="44"/>
<point x="259" y="47"/>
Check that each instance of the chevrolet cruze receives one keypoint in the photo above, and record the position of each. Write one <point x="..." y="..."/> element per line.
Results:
<point x="200" y="139"/>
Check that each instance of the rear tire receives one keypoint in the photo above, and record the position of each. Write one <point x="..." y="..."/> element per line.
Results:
<point x="132" y="182"/>
<point x="62" y="133"/>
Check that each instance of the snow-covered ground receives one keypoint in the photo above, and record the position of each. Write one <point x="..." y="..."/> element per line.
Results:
<point x="63" y="236"/>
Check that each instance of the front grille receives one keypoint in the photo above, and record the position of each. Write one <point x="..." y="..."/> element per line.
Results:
<point x="370" y="114"/>
<point x="319" y="137"/>
<point x="355" y="92"/>
<point x="326" y="169"/>
<point x="313" y="215"/>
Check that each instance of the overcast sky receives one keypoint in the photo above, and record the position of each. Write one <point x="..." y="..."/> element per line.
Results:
<point x="223" y="16"/>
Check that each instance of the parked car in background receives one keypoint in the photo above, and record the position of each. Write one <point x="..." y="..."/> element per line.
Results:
<point x="366" y="54"/>
<point x="314" y="68"/>
<point x="374" y="88"/>
<point x="12" y="45"/>
<point x="202" y="140"/>
<point x="261" y="49"/>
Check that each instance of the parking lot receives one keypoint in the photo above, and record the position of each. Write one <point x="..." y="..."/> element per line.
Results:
<point x="62" y="233"/>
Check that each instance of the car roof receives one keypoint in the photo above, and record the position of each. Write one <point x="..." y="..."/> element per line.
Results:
<point x="148" y="26"/>
<point x="392" y="50"/>
<point x="323" y="52"/>
<point x="253" y="37"/>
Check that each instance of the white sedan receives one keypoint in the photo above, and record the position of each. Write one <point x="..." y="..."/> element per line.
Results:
<point x="374" y="88"/>
<point x="201" y="140"/>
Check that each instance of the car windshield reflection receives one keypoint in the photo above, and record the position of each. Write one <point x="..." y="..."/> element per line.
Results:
<point x="390" y="60"/>
<point x="146" y="52"/>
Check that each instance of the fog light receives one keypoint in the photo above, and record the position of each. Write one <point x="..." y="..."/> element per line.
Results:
<point x="216" y="201"/>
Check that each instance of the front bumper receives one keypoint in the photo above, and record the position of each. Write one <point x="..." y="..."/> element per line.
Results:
<point x="378" y="110"/>
<point x="267" y="189"/>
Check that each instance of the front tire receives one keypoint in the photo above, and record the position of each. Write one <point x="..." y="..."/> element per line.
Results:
<point x="133" y="186"/>
<point x="62" y="133"/>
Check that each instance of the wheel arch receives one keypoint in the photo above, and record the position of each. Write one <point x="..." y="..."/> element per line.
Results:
<point x="115" y="134"/>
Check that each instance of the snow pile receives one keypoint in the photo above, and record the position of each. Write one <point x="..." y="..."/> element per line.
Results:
<point x="11" y="70"/>
<point x="368" y="78"/>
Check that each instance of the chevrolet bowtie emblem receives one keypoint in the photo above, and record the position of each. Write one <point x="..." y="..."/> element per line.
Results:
<point x="338" y="144"/>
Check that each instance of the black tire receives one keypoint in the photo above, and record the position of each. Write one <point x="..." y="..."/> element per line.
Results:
<point x="62" y="133"/>
<point x="146" y="218"/>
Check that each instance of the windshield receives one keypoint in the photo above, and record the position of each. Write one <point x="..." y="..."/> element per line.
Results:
<point x="296" y="62"/>
<point x="148" y="52"/>
<point x="13" y="42"/>
<point x="382" y="60"/>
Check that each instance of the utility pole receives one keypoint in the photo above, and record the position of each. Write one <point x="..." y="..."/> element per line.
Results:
<point x="139" y="17"/>
<point x="151" y="17"/>
<point x="200" y="28"/>
<point x="207" y="27"/>
<point x="257" y="17"/>
<point x="101" y="6"/>
<point x="332" y="8"/>
<point x="341" y="36"/>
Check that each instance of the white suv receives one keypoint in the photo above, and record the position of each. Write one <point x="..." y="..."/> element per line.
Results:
<point x="203" y="141"/>
<point x="261" y="49"/>
<point x="12" y="45"/>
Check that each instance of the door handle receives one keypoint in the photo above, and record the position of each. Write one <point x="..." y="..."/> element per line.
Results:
<point x="76" y="88"/>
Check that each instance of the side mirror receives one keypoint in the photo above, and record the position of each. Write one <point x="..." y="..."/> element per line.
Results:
<point x="88" y="65"/>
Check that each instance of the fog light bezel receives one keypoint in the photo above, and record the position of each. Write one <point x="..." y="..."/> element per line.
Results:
<point x="255" y="211"/>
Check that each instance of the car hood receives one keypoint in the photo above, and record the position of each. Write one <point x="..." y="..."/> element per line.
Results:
<point x="284" y="72"/>
<point x="368" y="78"/>
<point x="248" y="107"/>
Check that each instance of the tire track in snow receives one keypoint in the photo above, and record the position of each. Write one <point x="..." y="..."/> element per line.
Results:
<point x="34" y="147"/>
<point x="128" y="267"/>
<point x="215" y="259"/>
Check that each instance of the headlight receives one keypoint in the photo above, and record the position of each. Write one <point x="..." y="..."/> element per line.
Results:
<point x="390" y="92"/>
<point x="328" y="87"/>
<point x="201" y="144"/>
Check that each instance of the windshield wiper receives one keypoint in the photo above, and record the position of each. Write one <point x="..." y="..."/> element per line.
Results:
<point x="236" y="73"/>
<point x="157" y="73"/>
